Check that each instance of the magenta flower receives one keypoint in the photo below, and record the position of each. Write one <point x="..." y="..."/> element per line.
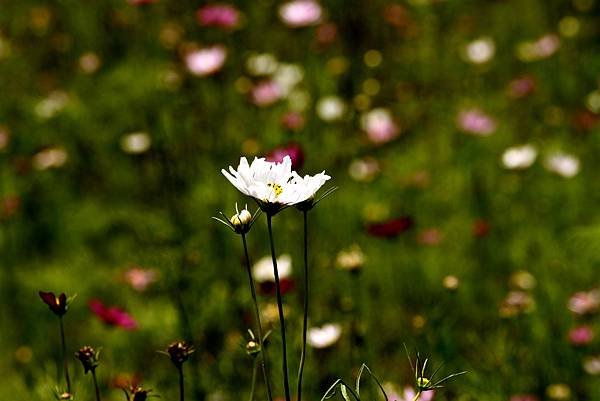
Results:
<point x="476" y="122"/>
<point x="581" y="335"/>
<point x="293" y="150"/>
<point x="390" y="228"/>
<point x="524" y="397"/>
<point x="223" y="16"/>
<point x="112" y="315"/>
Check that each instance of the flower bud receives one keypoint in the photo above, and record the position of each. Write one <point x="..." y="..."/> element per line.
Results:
<point x="88" y="357"/>
<point x="241" y="221"/>
<point x="252" y="348"/>
<point x="179" y="352"/>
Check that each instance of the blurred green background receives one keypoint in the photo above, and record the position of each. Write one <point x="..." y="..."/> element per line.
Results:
<point x="116" y="118"/>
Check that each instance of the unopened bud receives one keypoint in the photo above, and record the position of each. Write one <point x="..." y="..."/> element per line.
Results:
<point x="241" y="221"/>
<point x="252" y="348"/>
<point x="179" y="352"/>
<point x="88" y="357"/>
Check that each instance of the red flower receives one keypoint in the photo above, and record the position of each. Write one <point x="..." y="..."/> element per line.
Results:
<point x="391" y="228"/>
<point x="58" y="305"/>
<point x="481" y="228"/>
<point x="293" y="150"/>
<point x="268" y="287"/>
<point x="113" y="315"/>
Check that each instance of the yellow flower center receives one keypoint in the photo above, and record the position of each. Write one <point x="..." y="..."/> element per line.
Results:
<point x="276" y="188"/>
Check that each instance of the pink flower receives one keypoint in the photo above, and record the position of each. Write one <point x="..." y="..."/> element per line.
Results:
<point x="293" y="121"/>
<point x="524" y="397"/>
<point x="409" y="394"/>
<point x="293" y="150"/>
<point x="299" y="13"/>
<point x="113" y="315"/>
<point x="218" y="15"/>
<point x="141" y="2"/>
<point x="581" y="335"/>
<point x="430" y="236"/>
<point x="206" y="61"/>
<point x="521" y="87"/>
<point x="265" y="93"/>
<point x="583" y="303"/>
<point x="476" y="122"/>
<point x="139" y="279"/>
<point x="379" y="126"/>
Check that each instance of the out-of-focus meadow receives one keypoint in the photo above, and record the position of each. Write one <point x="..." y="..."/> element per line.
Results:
<point x="463" y="138"/>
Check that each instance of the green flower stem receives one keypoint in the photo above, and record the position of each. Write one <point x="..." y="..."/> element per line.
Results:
<point x="305" y="320"/>
<point x="259" y="330"/>
<point x="96" y="385"/>
<point x="286" y="384"/>
<point x="64" y="354"/>
<point x="181" y="390"/>
<point x="417" y="396"/>
<point x="253" y="386"/>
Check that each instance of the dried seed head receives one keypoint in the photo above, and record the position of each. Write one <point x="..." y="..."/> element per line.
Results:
<point x="88" y="357"/>
<point x="179" y="352"/>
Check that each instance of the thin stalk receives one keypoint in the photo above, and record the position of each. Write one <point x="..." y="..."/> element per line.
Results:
<point x="254" y="370"/>
<point x="259" y="330"/>
<point x="96" y="385"/>
<point x="305" y="320"/>
<point x="64" y="354"/>
<point x="286" y="384"/>
<point x="181" y="392"/>
<point x="417" y="396"/>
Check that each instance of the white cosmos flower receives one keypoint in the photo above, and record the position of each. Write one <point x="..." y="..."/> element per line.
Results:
<point x="325" y="336"/>
<point x="274" y="185"/>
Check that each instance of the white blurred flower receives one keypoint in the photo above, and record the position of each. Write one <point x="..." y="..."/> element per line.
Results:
<point x="261" y="64"/>
<point x="50" y="158"/>
<point x="563" y="164"/>
<point x="206" y="61"/>
<point x="288" y="76"/>
<point x="89" y="62"/>
<point x="299" y="13"/>
<point x="364" y="170"/>
<point x="50" y="106"/>
<point x="351" y="259"/>
<point x="330" y="108"/>
<point x="324" y="336"/>
<point x="379" y="125"/>
<point x="480" y="51"/>
<point x="591" y="365"/>
<point x="262" y="271"/>
<point x="519" y="157"/>
<point x="135" y="142"/>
